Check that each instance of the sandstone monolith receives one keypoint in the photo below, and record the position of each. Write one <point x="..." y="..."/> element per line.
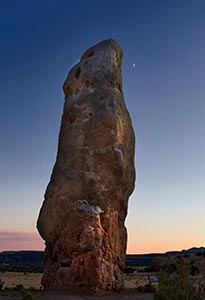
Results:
<point x="83" y="214"/>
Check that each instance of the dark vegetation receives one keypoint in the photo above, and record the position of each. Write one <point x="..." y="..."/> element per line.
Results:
<point x="21" y="261"/>
<point x="177" y="276"/>
<point x="177" y="281"/>
<point x="31" y="261"/>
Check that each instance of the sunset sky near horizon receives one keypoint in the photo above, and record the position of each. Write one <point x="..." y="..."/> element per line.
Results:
<point x="164" y="88"/>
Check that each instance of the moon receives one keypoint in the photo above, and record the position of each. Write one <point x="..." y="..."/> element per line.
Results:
<point x="133" y="64"/>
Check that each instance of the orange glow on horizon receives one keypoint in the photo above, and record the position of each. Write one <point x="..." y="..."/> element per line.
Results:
<point x="17" y="240"/>
<point x="161" y="246"/>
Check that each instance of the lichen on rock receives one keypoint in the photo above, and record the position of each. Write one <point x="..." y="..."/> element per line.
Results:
<point x="86" y="207"/>
<point x="83" y="214"/>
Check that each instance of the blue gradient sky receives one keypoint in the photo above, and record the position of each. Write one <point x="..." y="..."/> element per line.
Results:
<point x="165" y="94"/>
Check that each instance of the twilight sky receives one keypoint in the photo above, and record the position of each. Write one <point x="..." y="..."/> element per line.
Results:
<point x="165" y="95"/>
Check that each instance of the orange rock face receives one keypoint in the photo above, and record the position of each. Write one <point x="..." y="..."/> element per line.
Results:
<point x="82" y="216"/>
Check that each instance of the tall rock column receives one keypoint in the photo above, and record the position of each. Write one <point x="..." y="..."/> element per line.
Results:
<point x="83" y="214"/>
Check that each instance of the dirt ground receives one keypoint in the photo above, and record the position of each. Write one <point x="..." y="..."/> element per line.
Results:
<point x="28" y="280"/>
<point x="33" y="280"/>
<point x="45" y="295"/>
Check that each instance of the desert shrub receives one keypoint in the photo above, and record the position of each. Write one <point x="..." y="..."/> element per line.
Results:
<point x="129" y="270"/>
<point x="147" y="270"/>
<point x="26" y="295"/>
<point x="1" y="284"/>
<point x="194" y="270"/>
<point x="147" y="288"/>
<point x="18" y="287"/>
<point x="170" y="268"/>
<point x="179" y="285"/>
<point x="156" y="264"/>
<point x="200" y="254"/>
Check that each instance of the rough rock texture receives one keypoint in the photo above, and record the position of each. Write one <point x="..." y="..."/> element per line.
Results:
<point x="85" y="206"/>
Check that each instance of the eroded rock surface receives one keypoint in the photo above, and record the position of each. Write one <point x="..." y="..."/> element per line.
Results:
<point x="82" y="217"/>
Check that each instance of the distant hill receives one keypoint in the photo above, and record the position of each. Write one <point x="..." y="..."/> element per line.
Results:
<point x="24" y="257"/>
<point x="21" y="260"/>
<point x="194" y="250"/>
<point x="32" y="260"/>
<point x="189" y="251"/>
<point x="146" y="259"/>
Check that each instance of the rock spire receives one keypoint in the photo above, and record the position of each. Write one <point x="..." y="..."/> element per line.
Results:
<point x="83" y="214"/>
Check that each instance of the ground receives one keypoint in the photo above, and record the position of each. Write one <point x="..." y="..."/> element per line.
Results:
<point x="42" y="295"/>
<point x="132" y="281"/>
<point x="28" y="280"/>
<point x="33" y="280"/>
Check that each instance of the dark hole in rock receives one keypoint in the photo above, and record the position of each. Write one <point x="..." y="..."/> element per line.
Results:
<point x="101" y="97"/>
<point x="65" y="265"/>
<point x="90" y="114"/>
<point x="91" y="53"/>
<point x="78" y="73"/>
<point x="86" y="62"/>
<point x="88" y="83"/>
